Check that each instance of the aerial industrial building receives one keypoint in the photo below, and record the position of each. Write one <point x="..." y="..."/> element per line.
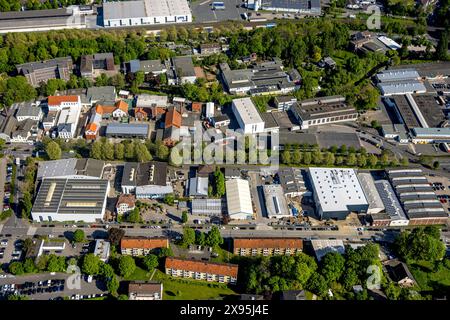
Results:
<point x="136" y="174"/>
<point x="239" y="200"/>
<point x="418" y="199"/>
<point x="71" y="200"/>
<point x="324" y="110"/>
<point x="275" y="202"/>
<point x="393" y="215"/>
<point x="400" y="81"/>
<point x="337" y="192"/>
<point x="247" y="116"/>
<point x="298" y="6"/>
<point x="373" y="198"/>
<point x="145" y="12"/>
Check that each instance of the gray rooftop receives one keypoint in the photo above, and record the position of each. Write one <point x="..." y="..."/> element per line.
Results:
<point x="71" y="196"/>
<point x="142" y="174"/>
<point x="184" y="67"/>
<point x="27" y="109"/>
<point x="107" y="93"/>
<point x="127" y="129"/>
<point x="70" y="167"/>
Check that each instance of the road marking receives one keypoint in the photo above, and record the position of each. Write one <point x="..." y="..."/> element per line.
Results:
<point x="31" y="231"/>
<point x="204" y="2"/>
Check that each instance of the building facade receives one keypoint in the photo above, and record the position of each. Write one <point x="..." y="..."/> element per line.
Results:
<point x="267" y="246"/>
<point x="200" y="270"/>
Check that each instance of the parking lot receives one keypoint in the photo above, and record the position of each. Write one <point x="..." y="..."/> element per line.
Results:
<point x="47" y="286"/>
<point x="203" y="12"/>
<point x="441" y="186"/>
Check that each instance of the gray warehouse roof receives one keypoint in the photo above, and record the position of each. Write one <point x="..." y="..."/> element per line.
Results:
<point x="184" y="65"/>
<point x="142" y="174"/>
<point x="127" y="128"/>
<point x="124" y="10"/>
<point x="71" y="196"/>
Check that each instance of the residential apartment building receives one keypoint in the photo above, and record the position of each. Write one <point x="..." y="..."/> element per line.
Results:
<point x="142" y="246"/>
<point x="40" y="72"/>
<point x="149" y="290"/>
<point x="125" y="203"/>
<point x="201" y="270"/>
<point x="94" y="64"/>
<point x="267" y="246"/>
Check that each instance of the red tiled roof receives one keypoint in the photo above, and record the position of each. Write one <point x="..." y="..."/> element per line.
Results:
<point x="129" y="199"/>
<point x="225" y="269"/>
<point x="122" y="105"/>
<point x="268" y="243"/>
<point x="144" y="243"/>
<point x="91" y="127"/>
<point x="173" y="118"/>
<point x="57" y="100"/>
<point x="196" y="106"/>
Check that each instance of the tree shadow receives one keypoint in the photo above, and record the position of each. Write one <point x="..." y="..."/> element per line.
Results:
<point x="170" y="293"/>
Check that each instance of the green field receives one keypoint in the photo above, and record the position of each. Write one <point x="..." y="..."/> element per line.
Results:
<point x="185" y="289"/>
<point x="429" y="279"/>
<point x="139" y="274"/>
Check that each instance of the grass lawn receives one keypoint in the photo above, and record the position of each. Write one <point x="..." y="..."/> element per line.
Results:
<point x="185" y="289"/>
<point x="139" y="274"/>
<point x="224" y="255"/>
<point x="429" y="279"/>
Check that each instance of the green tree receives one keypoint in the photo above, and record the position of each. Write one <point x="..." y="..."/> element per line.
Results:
<point x="188" y="236"/>
<point x="78" y="235"/>
<point x="134" y="216"/>
<point x="150" y="261"/>
<point x="142" y="153"/>
<point x="56" y="263"/>
<point x="214" y="239"/>
<point x="53" y="151"/>
<point x="332" y="266"/>
<point x="16" y="268"/>
<point x="90" y="264"/>
<point x="184" y="217"/>
<point x="96" y="150"/>
<point x="29" y="266"/>
<point x="317" y="284"/>
<point x="115" y="235"/>
<point x="219" y="179"/>
<point x="127" y="266"/>
<point x="106" y="271"/>
<point x="113" y="285"/>
<point x="200" y="238"/>
<point x="169" y="199"/>
<point x="119" y="151"/>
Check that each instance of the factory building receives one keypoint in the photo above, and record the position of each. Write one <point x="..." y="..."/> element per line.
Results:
<point x="337" y="192"/>
<point x="70" y="200"/>
<point x="239" y="201"/>
<point x="275" y="201"/>
<point x="145" y="12"/>
<point x="417" y="198"/>
<point x="247" y="116"/>
<point x="324" y="110"/>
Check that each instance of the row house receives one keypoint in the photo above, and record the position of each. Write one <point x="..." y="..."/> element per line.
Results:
<point x="142" y="246"/>
<point x="201" y="270"/>
<point x="267" y="246"/>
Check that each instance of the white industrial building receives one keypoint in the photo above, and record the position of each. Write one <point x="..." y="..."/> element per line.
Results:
<point x="275" y="201"/>
<point x="239" y="200"/>
<point x="323" y="246"/>
<point x="372" y="196"/>
<point x="71" y="200"/>
<point x="337" y="192"/>
<point x="145" y="12"/>
<point x="68" y="121"/>
<point x="400" y="81"/>
<point x="247" y="116"/>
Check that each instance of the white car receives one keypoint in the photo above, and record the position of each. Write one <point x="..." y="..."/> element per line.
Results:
<point x="235" y="228"/>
